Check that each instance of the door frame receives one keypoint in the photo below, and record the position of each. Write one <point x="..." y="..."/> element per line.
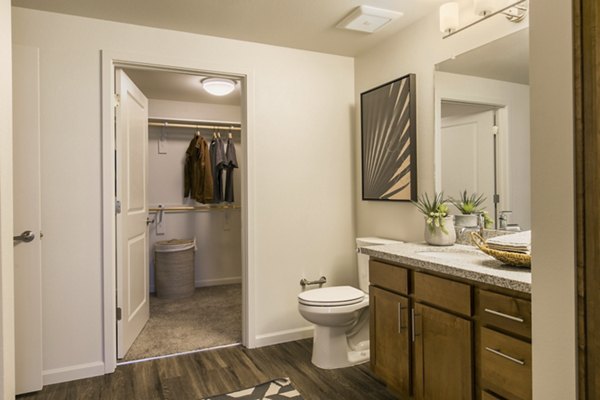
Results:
<point x="586" y="49"/>
<point x="110" y="60"/>
<point x="502" y="110"/>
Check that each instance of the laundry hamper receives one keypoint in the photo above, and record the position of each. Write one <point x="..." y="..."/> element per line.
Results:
<point x="174" y="268"/>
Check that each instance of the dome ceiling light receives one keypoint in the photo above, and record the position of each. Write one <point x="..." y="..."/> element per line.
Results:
<point x="218" y="86"/>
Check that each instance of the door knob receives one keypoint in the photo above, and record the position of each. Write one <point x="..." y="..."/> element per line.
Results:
<point x="26" y="237"/>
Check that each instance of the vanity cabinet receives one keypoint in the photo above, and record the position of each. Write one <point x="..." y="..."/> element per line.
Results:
<point x="504" y="346"/>
<point x="389" y="329"/>
<point x="442" y="355"/>
<point x="390" y="341"/>
<point x="443" y="339"/>
<point x="435" y="337"/>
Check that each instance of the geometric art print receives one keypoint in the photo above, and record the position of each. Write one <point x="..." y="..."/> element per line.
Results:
<point x="389" y="141"/>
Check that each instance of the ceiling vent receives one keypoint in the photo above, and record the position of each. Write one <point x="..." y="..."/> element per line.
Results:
<point x="368" y="19"/>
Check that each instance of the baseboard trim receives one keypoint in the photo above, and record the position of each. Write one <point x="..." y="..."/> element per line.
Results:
<point x="284" y="336"/>
<point x="80" y="371"/>
<point x="218" y="281"/>
<point x="211" y="282"/>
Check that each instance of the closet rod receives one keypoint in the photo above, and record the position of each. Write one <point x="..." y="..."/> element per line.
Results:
<point x="171" y="209"/>
<point x="166" y="124"/>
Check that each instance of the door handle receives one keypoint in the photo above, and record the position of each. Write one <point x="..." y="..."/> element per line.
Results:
<point x="26" y="236"/>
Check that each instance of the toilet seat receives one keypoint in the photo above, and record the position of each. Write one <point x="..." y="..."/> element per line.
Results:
<point x="331" y="296"/>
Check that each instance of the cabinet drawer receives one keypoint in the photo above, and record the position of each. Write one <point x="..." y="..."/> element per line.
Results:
<point x="447" y="294"/>
<point x="505" y="365"/>
<point x="388" y="276"/>
<point x="504" y="312"/>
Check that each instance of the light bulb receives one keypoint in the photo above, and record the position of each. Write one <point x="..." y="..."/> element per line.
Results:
<point x="218" y="86"/>
<point x="449" y="17"/>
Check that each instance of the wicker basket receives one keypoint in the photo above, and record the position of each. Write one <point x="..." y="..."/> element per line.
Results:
<point x="507" y="257"/>
<point x="174" y="268"/>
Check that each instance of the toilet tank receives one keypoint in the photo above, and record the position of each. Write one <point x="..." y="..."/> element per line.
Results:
<point x="363" y="259"/>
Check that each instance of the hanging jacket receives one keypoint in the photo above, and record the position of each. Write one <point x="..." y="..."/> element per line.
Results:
<point x="198" y="178"/>
<point x="230" y="164"/>
<point x="217" y="154"/>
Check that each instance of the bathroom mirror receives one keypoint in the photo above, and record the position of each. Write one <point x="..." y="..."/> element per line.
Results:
<point x="482" y="126"/>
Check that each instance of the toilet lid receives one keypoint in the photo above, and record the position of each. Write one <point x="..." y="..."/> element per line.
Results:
<point x="331" y="296"/>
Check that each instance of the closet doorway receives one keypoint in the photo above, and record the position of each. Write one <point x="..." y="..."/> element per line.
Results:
<point x="470" y="150"/>
<point x="190" y="299"/>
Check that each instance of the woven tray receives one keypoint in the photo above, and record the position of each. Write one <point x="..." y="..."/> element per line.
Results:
<point x="507" y="257"/>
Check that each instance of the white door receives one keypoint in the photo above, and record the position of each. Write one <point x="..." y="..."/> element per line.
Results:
<point x="132" y="239"/>
<point x="27" y="217"/>
<point x="468" y="156"/>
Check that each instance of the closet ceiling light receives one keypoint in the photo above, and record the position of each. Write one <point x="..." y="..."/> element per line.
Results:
<point x="218" y="86"/>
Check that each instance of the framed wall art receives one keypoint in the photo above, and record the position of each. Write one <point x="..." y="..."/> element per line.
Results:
<point x="389" y="141"/>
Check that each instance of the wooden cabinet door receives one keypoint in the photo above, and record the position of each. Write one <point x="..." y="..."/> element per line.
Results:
<point x="390" y="339"/>
<point x="443" y="358"/>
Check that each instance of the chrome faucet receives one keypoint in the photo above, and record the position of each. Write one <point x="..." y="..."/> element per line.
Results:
<point x="503" y="219"/>
<point x="480" y="222"/>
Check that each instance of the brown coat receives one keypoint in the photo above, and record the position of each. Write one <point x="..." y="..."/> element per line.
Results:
<point x="198" y="181"/>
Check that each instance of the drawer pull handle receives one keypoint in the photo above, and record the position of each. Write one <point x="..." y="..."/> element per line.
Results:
<point x="414" y="316"/>
<point x="499" y="314"/>
<point x="400" y="327"/>
<point x="412" y="321"/>
<point x="501" y="354"/>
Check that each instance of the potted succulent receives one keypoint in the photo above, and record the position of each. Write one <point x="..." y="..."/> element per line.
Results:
<point x="469" y="206"/>
<point x="439" y="225"/>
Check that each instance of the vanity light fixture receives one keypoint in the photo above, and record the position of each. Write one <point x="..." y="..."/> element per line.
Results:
<point x="449" y="13"/>
<point x="483" y="7"/>
<point x="449" y="17"/>
<point x="218" y="86"/>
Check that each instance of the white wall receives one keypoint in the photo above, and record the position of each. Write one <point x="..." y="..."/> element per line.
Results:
<point x="414" y="50"/>
<point x="552" y="195"/>
<point x="218" y="259"/>
<point x="302" y="172"/>
<point x="516" y="114"/>
<point x="7" y="340"/>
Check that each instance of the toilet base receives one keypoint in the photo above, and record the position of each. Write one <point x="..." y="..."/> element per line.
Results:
<point x="331" y="349"/>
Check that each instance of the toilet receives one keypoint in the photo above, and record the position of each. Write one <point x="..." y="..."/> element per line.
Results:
<point x="341" y="317"/>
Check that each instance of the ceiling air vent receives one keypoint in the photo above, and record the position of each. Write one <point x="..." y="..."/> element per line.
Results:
<point x="367" y="19"/>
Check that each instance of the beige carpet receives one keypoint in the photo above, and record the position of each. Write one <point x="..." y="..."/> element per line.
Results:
<point x="211" y="317"/>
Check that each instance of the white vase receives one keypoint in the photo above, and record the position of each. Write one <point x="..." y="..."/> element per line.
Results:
<point x="465" y="220"/>
<point x="437" y="237"/>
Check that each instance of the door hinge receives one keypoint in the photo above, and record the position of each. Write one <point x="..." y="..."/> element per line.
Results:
<point x="117" y="100"/>
<point x="118" y="206"/>
<point x="496" y="198"/>
<point x="119" y="313"/>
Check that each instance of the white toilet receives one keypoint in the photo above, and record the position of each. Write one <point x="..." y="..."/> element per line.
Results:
<point x="341" y="317"/>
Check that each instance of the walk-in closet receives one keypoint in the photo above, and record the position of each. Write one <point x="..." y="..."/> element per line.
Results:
<point x="194" y="175"/>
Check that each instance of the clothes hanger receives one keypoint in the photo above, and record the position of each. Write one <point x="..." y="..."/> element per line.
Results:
<point x="230" y="136"/>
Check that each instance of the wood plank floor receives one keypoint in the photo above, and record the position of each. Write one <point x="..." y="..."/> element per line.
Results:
<point x="198" y="375"/>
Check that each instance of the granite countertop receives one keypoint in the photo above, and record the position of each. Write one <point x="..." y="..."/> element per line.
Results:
<point x="459" y="260"/>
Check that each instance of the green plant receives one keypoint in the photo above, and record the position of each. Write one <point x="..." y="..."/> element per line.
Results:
<point x="488" y="223"/>
<point x="434" y="210"/>
<point x="468" y="204"/>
